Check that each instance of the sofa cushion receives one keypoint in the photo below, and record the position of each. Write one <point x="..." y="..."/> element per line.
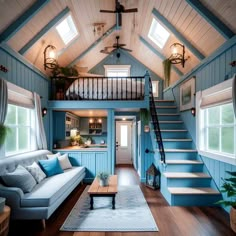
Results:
<point x="20" y="178"/>
<point x="50" y="156"/>
<point x="64" y="162"/>
<point x="36" y="172"/>
<point x="51" y="167"/>
<point x="50" y="189"/>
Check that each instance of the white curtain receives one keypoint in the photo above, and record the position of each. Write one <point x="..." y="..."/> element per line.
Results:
<point x="234" y="94"/>
<point x="3" y="100"/>
<point x="40" y="133"/>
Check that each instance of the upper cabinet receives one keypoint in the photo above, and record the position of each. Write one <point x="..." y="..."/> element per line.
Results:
<point x="93" y="126"/>
<point x="63" y="122"/>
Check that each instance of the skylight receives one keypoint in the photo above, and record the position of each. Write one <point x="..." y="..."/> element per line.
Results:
<point x="158" y="34"/>
<point x="67" y="30"/>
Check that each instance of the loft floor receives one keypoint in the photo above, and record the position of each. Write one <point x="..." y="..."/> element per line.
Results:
<point x="171" y="221"/>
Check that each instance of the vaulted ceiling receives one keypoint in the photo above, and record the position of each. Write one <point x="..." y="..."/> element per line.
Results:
<point x="28" y="26"/>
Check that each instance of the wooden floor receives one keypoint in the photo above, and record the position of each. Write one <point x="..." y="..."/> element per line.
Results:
<point x="171" y="221"/>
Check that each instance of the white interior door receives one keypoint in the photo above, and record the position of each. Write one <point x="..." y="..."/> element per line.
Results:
<point x="123" y="142"/>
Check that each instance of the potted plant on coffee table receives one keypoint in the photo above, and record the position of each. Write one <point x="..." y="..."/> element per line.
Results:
<point x="229" y="187"/>
<point x="103" y="178"/>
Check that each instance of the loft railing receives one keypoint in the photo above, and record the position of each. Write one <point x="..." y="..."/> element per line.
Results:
<point x="98" y="88"/>
<point x="156" y="125"/>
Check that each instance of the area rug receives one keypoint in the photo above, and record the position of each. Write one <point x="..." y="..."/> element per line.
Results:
<point x="131" y="214"/>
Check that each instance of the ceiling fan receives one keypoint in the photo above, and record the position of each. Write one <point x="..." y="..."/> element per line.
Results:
<point x="118" y="10"/>
<point x="116" y="46"/>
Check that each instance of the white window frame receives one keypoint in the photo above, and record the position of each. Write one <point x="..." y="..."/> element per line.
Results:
<point x="117" y="68"/>
<point x="23" y="98"/>
<point x="205" y="99"/>
<point x="158" y="33"/>
<point x="72" y="34"/>
<point x="31" y="138"/>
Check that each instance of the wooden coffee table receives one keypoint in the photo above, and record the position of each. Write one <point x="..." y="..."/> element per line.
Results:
<point x="95" y="190"/>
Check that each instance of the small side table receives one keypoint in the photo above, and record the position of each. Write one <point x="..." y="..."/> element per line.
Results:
<point x="4" y="221"/>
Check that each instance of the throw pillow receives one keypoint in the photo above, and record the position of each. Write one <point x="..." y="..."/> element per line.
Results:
<point x="64" y="162"/>
<point x="20" y="178"/>
<point x="51" y="166"/>
<point x="50" y="156"/>
<point x="36" y="172"/>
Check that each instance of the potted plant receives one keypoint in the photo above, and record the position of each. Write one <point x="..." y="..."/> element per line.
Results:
<point x="229" y="187"/>
<point x="167" y="68"/>
<point x="103" y="178"/>
<point x="3" y="133"/>
<point x="76" y="140"/>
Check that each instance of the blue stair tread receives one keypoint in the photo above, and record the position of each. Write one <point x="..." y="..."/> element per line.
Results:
<point x="184" y="162"/>
<point x="188" y="190"/>
<point x="173" y="130"/>
<point x="158" y="100"/>
<point x="167" y="114"/>
<point x="171" y="122"/>
<point x="180" y="150"/>
<point x="167" y="107"/>
<point x="177" y="140"/>
<point x="186" y="175"/>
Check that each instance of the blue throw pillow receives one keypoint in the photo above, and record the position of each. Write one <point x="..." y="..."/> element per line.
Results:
<point x="51" y="167"/>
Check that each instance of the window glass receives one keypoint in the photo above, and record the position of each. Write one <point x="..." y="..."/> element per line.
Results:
<point x="124" y="136"/>
<point x="21" y="137"/>
<point x="214" y="115"/>
<point x="227" y="114"/>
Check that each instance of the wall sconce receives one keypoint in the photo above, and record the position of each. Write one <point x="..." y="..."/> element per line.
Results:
<point x="50" y="58"/>
<point x="44" y="111"/>
<point x="146" y="128"/>
<point x="177" y="54"/>
<point x="193" y="111"/>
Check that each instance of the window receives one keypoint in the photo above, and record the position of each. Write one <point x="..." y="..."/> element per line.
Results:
<point x="155" y="88"/>
<point x="220" y="129"/>
<point x="124" y="136"/>
<point x="21" y="137"/>
<point x="117" y="70"/>
<point x="158" y="34"/>
<point x="216" y="123"/>
<point x="67" y="30"/>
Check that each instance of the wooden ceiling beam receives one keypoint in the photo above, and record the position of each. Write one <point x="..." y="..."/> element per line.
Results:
<point x="44" y="30"/>
<point x="177" y="34"/>
<point x="214" y="21"/>
<point x="160" y="55"/>
<point x="107" y="33"/>
<point x="20" y="22"/>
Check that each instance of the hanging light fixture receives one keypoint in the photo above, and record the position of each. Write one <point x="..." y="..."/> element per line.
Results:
<point x="177" y="54"/>
<point x="50" y="58"/>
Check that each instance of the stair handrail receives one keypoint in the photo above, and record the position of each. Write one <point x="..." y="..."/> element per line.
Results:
<point x="155" y="123"/>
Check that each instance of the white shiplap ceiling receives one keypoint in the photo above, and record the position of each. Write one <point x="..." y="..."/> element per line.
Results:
<point x="180" y="14"/>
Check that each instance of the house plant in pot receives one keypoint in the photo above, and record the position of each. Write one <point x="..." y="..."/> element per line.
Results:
<point x="229" y="187"/>
<point x="103" y="178"/>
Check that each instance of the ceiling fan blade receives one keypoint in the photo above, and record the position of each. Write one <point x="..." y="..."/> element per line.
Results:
<point x="121" y="45"/>
<point x="107" y="11"/>
<point x="131" y="10"/>
<point x="126" y="49"/>
<point x="105" y="51"/>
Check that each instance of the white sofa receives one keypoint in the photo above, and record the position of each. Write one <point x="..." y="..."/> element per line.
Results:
<point x="46" y="196"/>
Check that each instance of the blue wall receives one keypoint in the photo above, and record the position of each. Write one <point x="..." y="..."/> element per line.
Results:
<point x="137" y="68"/>
<point x="212" y="71"/>
<point x="23" y="74"/>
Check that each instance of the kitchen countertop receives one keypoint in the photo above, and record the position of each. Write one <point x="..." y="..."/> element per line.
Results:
<point x="90" y="148"/>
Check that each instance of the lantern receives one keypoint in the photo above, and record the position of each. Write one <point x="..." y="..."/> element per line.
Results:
<point x="153" y="177"/>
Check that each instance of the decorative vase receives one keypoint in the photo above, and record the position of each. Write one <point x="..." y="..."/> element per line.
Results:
<point x="103" y="182"/>
<point x="233" y="219"/>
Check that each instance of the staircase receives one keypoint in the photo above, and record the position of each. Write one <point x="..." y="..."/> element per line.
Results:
<point x="185" y="180"/>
